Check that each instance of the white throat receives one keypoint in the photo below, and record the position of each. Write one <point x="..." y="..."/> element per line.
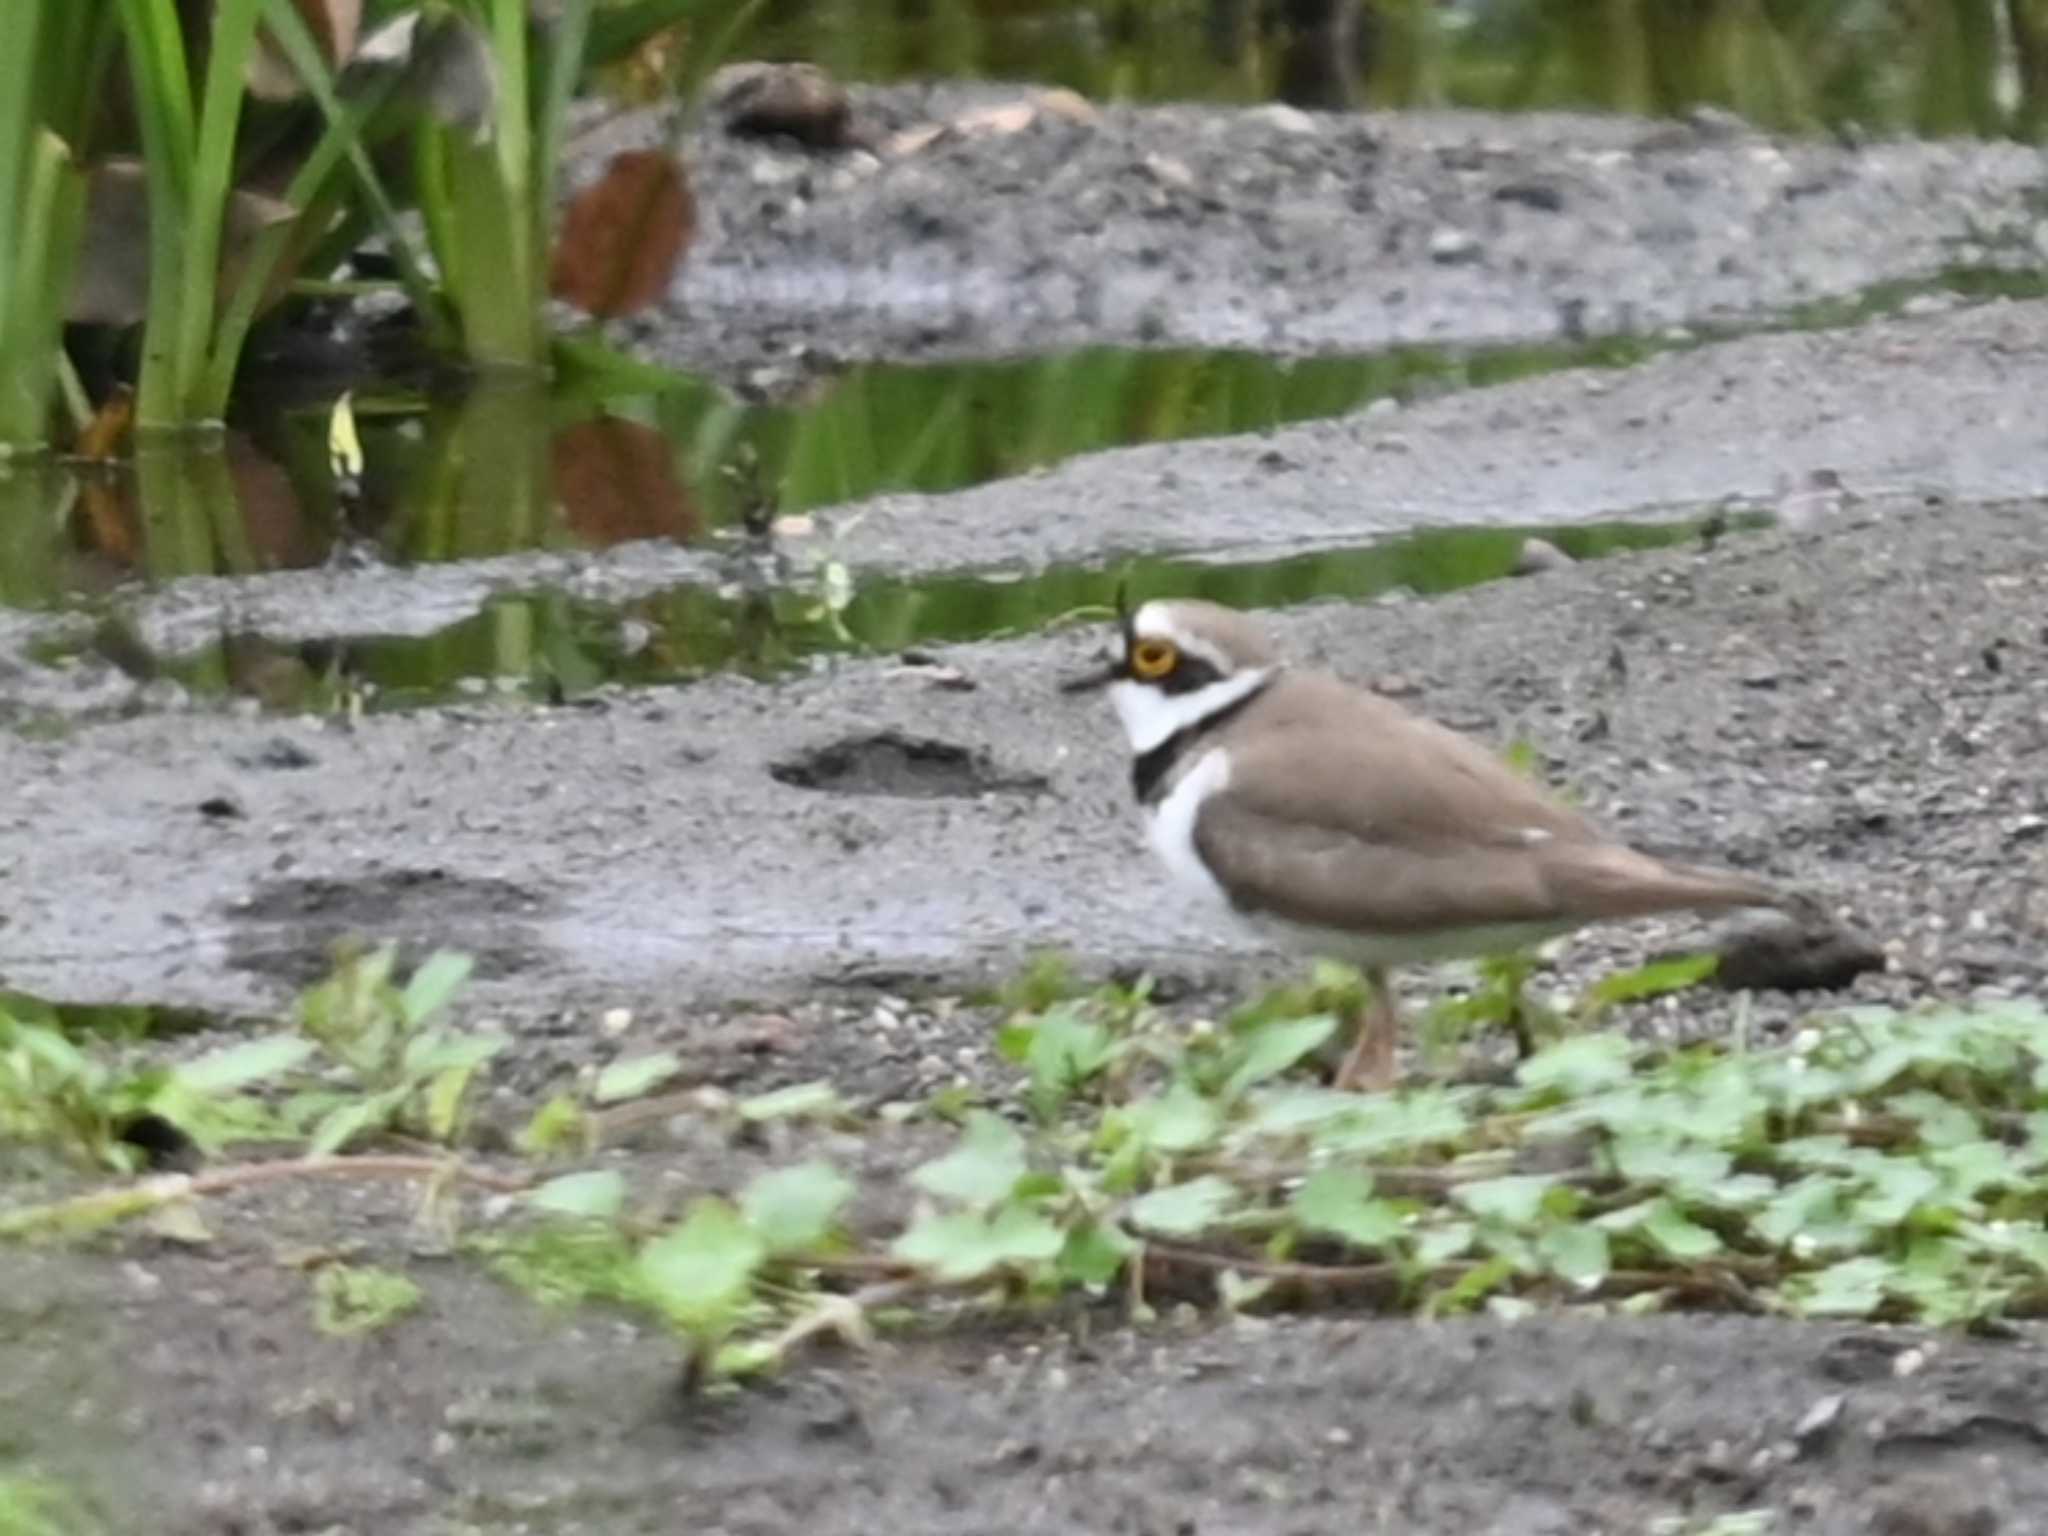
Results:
<point x="1151" y="716"/>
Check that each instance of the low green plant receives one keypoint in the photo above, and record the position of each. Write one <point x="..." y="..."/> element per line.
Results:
<point x="399" y="1070"/>
<point x="45" y="73"/>
<point x="1883" y="1164"/>
<point x="55" y="1093"/>
<point x="35" y="1506"/>
<point x="350" y="1298"/>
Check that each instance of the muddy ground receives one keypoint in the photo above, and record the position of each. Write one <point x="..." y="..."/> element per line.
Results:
<point x="1283" y="231"/>
<point x="1859" y="705"/>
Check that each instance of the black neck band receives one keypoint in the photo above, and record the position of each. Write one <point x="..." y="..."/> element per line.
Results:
<point x="1150" y="769"/>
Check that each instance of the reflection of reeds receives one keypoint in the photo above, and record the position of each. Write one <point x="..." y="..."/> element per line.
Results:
<point x="554" y="647"/>
<point x="1931" y="66"/>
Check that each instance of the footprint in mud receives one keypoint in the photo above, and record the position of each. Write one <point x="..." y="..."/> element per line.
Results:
<point x="288" y="929"/>
<point x="908" y="767"/>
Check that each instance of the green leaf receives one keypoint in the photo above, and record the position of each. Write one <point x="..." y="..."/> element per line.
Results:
<point x="1579" y="1064"/>
<point x="632" y="1076"/>
<point x="1946" y="1282"/>
<point x="1291" y="1111"/>
<point x="1062" y="1048"/>
<point x="1182" y="1210"/>
<point x="1678" y="1234"/>
<point x="965" y="1245"/>
<point x="1653" y="980"/>
<point x="982" y="1169"/>
<point x="347" y="1121"/>
<point x="1737" y="1192"/>
<point x="1516" y="1199"/>
<point x="348" y="1299"/>
<point x="238" y="1066"/>
<point x="1339" y="1202"/>
<point x="1095" y="1253"/>
<point x="1179" y="1121"/>
<point x="1377" y="1126"/>
<point x="434" y="985"/>
<point x="1471" y="1288"/>
<point x="798" y="1101"/>
<point x="557" y="1126"/>
<point x="701" y="1273"/>
<point x="439" y="1051"/>
<point x="1576" y="1252"/>
<point x="599" y="1194"/>
<point x="1896" y="1187"/>
<point x="1687" y="1168"/>
<point x="1267" y="1050"/>
<point x="444" y="1102"/>
<point x="1942" y="1122"/>
<point x="1440" y="1244"/>
<point x="1237" y="1294"/>
<point x="1970" y="1169"/>
<point x="1852" y="1288"/>
<point x="1811" y="1215"/>
<point x="1829" y="1151"/>
<point x="794" y="1208"/>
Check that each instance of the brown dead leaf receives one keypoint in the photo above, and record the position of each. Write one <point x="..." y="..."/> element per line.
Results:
<point x="106" y="522"/>
<point x="273" y="518"/>
<point x="623" y="235"/>
<point x="107" y="432"/>
<point x="616" y="482"/>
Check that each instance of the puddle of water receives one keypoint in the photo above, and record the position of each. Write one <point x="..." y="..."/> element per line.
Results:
<point x="625" y="452"/>
<point x="549" y="647"/>
<point x="622" y="452"/>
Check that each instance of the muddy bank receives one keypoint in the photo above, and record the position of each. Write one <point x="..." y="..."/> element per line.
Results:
<point x="1045" y="224"/>
<point x="1853" y="708"/>
<point x="1897" y="410"/>
<point x="517" y="1422"/>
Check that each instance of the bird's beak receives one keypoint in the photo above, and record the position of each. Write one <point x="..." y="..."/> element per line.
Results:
<point x="1088" y="682"/>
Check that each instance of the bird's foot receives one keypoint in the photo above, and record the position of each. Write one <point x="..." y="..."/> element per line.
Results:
<point x="1369" y="1068"/>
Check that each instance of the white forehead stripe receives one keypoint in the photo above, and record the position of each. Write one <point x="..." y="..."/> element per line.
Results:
<point x="1153" y="621"/>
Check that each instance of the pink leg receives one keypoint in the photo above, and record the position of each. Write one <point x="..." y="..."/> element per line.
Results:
<point x="1370" y="1066"/>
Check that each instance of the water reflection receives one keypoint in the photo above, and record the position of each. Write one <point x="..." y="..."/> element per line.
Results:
<point x="1942" y="66"/>
<point x="552" y="648"/>
<point x="619" y="452"/>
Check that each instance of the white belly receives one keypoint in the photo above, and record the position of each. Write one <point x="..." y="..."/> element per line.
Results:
<point x="1170" y="825"/>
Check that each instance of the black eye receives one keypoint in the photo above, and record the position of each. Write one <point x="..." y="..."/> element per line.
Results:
<point x="1153" y="659"/>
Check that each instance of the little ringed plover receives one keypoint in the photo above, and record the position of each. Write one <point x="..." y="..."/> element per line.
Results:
<point x="1340" y="824"/>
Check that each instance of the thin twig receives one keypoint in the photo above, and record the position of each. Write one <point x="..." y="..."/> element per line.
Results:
<point x="121" y="1200"/>
<point x="381" y="1166"/>
<point x="1379" y="1283"/>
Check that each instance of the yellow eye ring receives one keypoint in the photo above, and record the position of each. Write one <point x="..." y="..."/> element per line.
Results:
<point x="1153" y="659"/>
